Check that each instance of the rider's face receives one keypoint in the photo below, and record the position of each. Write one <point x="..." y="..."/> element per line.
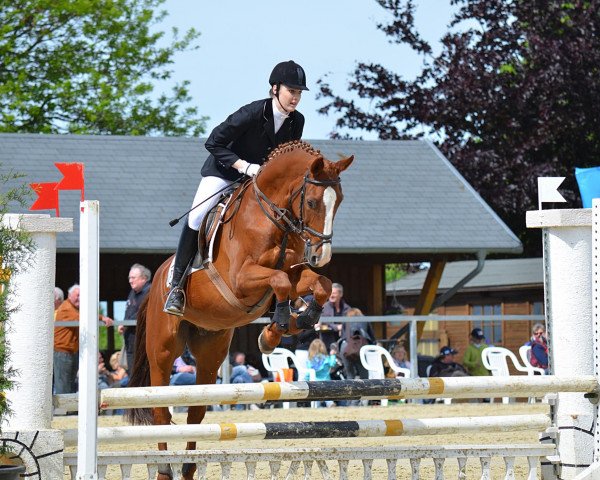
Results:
<point x="289" y="98"/>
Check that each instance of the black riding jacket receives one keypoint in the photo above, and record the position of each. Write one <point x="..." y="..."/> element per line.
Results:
<point x="248" y="134"/>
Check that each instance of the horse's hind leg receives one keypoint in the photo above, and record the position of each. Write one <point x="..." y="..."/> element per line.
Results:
<point x="209" y="349"/>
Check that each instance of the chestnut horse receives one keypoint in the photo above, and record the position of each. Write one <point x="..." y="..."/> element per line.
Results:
<point x="278" y="224"/>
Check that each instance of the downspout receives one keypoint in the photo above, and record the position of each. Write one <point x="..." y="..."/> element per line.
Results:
<point x="448" y="294"/>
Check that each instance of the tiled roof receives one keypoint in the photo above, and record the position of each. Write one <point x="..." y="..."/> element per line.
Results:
<point x="525" y="272"/>
<point x="400" y="196"/>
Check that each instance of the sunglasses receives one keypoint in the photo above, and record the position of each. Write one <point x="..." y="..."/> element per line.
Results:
<point x="537" y="334"/>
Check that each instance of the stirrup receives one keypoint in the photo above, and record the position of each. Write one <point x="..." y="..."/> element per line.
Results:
<point x="170" y="306"/>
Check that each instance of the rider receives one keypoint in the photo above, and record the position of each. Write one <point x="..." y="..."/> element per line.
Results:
<point x="238" y="147"/>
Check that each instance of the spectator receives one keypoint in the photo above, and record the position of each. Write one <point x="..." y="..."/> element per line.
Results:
<point x="321" y="363"/>
<point x="305" y="337"/>
<point x="400" y="356"/>
<point x="118" y="375"/>
<point x="104" y="378"/>
<point x="472" y="358"/>
<point x="335" y="307"/>
<point x="354" y="336"/>
<point x="538" y="355"/>
<point x="59" y="297"/>
<point x="184" y="369"/>
<point x="66" y="343"/>
<point x="139" y="280"/>
<point x="242" y="372"/>
<point x="445" y="366"/>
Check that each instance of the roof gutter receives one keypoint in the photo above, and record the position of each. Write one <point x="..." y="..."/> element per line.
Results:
<point x="448" y="294"/>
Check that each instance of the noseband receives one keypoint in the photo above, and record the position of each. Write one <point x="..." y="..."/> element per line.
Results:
<point x="284" y="219"/>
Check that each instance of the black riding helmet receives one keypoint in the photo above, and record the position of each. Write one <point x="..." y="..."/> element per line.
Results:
<point x="290" y="74"/>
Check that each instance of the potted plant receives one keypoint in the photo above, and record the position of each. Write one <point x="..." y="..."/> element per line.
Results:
<point x="15" y="248"/>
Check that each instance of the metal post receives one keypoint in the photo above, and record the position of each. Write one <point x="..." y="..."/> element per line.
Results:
<point x="88" y="341"/>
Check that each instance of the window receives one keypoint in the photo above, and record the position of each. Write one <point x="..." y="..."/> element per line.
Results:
<point x="492" y="329"/>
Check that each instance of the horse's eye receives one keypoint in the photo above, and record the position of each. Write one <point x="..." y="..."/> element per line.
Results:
<point x="312" y="204"/>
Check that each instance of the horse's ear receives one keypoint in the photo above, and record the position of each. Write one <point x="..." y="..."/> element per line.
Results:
<point x="342" y="165"/>
<point x="317" y="166"/>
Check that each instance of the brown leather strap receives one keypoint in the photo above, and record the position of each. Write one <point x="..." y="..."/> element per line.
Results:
<point x="228" y="295"/>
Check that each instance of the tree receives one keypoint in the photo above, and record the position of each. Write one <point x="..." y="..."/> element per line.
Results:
<point x="513" y="95"/>
<point x="87" y="66"/>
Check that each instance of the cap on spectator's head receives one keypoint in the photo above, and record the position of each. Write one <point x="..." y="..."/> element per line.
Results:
<point x="477" y="333"/>
<point x="448" y="351"/>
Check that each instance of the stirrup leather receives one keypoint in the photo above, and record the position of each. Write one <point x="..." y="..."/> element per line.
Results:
<point x="171" y="300"/>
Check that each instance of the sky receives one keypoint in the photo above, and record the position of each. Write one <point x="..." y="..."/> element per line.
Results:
<point x="242" y="40"/>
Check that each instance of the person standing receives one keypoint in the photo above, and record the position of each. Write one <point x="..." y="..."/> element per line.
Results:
<point x="472" y="358"/>
<point x="139" y="280"/>
<point x="238" y="147"/>
<point x="66" y="343"/>
<point x="59" y="297"/>
<point x="335" y="307"/>
<point x="355" y="335"/>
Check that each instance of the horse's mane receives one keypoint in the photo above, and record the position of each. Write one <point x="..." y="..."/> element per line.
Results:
<point x="292" y="146"/>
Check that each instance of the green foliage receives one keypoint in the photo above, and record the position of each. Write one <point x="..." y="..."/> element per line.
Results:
<point x="15" y="250"/>
<point x="88" y="67"/>
<point x="394" y="271"/>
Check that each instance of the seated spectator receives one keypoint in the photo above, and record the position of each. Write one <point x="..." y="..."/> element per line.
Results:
<point x="104" y="379"/>
<point x="118" y="375"/>
<point x="184" y="370"/>
<point x="243" y="372"/>
<point x="400" y="356"/>
<point x="321" y="362"/>
<point x="445" y="366"/>
<point x="538" y="355"/>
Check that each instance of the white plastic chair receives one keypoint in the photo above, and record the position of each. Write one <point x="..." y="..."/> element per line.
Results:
<point x="495" y="359"/>
<point x="524" y="353"/>
<point x="371" y="357"/>
<point x="278" y="360"/>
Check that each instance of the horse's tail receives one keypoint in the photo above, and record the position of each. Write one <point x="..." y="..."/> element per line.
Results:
<point x="140" y="374"/>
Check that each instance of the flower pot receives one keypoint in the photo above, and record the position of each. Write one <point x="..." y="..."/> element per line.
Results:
<point x="11" y="472"/>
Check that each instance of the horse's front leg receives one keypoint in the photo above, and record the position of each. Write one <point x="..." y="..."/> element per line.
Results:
<point x="320" y="287"/>
<point x="254" y="278"/>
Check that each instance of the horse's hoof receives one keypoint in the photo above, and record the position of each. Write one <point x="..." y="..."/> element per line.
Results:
<point x="263" y="346"/>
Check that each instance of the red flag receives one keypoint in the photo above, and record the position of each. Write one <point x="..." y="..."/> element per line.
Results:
<point x="72" y="177"/>
<point x="47" y="196"/>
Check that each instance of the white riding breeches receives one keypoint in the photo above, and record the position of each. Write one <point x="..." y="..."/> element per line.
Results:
<point x="208" y="186"/>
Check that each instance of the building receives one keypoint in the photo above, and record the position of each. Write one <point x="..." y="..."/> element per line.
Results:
<point x="403" y="202"/>
<point x="503" y="287"/>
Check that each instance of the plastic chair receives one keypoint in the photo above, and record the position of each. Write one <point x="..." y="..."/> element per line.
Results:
<point x="371" y="357"/>
<point x="278" y="360"/>
<point x="495" y="359"/>
<point x="524" y="353"/>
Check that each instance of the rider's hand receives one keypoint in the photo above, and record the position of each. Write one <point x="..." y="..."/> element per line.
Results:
<point x="246" y="168"/>
<point x="252" y="169"/>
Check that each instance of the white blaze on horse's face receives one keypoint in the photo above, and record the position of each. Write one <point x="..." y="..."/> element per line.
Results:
<point x="329" y="198"/>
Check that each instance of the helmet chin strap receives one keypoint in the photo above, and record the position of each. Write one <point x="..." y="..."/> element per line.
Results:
<point x="278" y="101"/>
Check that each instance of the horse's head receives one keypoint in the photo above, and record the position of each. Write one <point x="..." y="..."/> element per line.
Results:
<point x="310" y="194"/>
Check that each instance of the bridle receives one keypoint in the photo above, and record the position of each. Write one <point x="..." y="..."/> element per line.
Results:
<point x="284" y="219"/>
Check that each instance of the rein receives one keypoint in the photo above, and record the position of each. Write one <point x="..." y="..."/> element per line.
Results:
<point x="284" y="220"/>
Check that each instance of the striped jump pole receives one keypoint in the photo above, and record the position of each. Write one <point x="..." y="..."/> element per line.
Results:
<point x="404" y="388"/>
<point x="306" y="430"/>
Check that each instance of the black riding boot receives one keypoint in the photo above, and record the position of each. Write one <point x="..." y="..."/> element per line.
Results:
<point x="188" y="245"/>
